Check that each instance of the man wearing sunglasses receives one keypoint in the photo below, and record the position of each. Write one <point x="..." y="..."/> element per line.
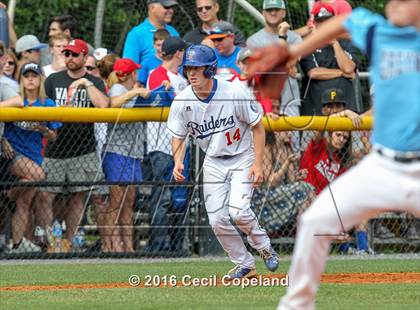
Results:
<point x="223" y="39"/>
<point x="207" y="12"/>
<point x="139" y="41"/>
<point x="72" y="156"/>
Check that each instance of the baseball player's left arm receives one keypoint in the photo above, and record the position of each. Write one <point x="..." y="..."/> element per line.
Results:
<point x="256" y="172"/>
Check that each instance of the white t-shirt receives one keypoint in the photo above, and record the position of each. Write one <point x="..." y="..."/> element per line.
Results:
<point x="158" y="139"/>
<point x="222" y="124"/>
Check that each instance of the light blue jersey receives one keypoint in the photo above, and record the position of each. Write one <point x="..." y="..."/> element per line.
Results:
<point x="139" y="41"/>
<point x="395" y="72"/>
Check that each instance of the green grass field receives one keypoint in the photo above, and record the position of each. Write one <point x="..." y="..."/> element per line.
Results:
<point x="331" y="296"/>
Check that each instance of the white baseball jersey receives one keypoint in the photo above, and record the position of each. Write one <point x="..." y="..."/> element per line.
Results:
<point x="221" y="124"/>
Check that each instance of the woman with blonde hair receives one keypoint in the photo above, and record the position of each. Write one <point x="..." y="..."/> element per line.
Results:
<point x="22" y="145"/>
<point x="121" y="161"/>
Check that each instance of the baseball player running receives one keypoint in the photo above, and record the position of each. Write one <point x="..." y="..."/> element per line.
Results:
<point x="227" y="125"/>
<point x="387" y="179"/>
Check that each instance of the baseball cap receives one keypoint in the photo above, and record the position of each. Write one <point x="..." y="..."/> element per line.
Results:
<point x="28" y="42"/>
<point x="221" y="29"/>
<point x="33" y="67"/>
<point x="322" y="11"/>
<point x="173" y="44"/>
<point x="124" y="66"/>
<point x="100" y="53"/>
<point x="77" y="46"/>
<point x="274" y="4"/>
<point x="165" y="3"/>
<point x="243" y="54"/>
<point x="333" y="95"/>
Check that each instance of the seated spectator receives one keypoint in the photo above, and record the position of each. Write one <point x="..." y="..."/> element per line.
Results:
<point x="286" y="195"/>
<point x="207" y="12"/>
<point x="121" y="162"/>
<point x="325" y="159"/>
<point x="223" y="37"/>
<point x="56" y="44"/>
<point x="28" y="49"/>
<point x="158" y="163"/>
<point x="151" y="62"/>
<point x="333" y="66"/>
<point x="139" y="41"/>
<point x="22" y="144"/>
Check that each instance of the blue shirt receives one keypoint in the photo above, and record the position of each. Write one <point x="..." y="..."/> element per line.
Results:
<point x="148" y="64"/>
<point x="139" y="41"/>
<point x="26" y="141"/>
<point x="395" y="73"/>
<point x="228" y="61"/>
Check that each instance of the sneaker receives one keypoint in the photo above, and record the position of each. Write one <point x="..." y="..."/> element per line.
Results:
<point x="367" y="252"/>
<point x="412" y="233"/>
<point x="270" y="258"/>
<point x="26" y="246"/>
<point x="382" y="232"/>
<point x="239" y="272"/>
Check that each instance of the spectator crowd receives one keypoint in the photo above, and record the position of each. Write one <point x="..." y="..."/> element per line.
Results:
<point x="68" y="71"/>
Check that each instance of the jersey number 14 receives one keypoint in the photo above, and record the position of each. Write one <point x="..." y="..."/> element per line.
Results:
<point x="236" y="136"/>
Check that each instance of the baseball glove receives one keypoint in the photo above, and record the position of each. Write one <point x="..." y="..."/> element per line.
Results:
<point x="268" y="70"/>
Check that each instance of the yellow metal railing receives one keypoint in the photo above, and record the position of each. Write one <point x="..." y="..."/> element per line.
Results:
<point x="89" y="115"/>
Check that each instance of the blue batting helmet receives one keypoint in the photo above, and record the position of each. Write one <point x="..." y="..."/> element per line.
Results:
<point x="201" y="56"/>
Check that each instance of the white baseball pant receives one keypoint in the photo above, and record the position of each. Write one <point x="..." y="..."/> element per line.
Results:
<point x="377" y="184"/>
<point x="227" y="194"/>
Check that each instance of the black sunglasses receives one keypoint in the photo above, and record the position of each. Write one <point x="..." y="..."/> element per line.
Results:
<point x="169" y="7"/>
<point x="90" y="68"/>
<point x="202" y="8"/>
<point x="68" y="53"/>
<point x="11" y="63"/>
<point x="218" y="39"/>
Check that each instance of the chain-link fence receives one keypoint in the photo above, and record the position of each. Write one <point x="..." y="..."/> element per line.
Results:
<point x="81" y="201"/>
<point x="75" y="201"/>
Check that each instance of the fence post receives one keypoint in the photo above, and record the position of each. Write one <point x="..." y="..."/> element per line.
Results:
<point x="100" y="11"/>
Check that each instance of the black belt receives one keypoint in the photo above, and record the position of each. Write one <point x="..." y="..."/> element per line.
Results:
<point x="226" y="156"/>
<point x="400" y="158"/>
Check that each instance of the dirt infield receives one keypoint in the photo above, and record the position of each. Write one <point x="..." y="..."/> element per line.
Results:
<point x="340" y="278"/>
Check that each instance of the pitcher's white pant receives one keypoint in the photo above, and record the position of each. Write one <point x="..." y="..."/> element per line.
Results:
<point x="227" y="192"/>
<point x="377" y="184"/>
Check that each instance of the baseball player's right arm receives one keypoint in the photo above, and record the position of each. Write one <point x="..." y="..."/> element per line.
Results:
<point x="178" y="151"/>
<point x="328" y="31"/>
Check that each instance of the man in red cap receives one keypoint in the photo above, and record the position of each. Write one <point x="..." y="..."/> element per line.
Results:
<point x="72" y="156"/>
<point x="336" y="7"/>
<point x="333" y="65"/>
